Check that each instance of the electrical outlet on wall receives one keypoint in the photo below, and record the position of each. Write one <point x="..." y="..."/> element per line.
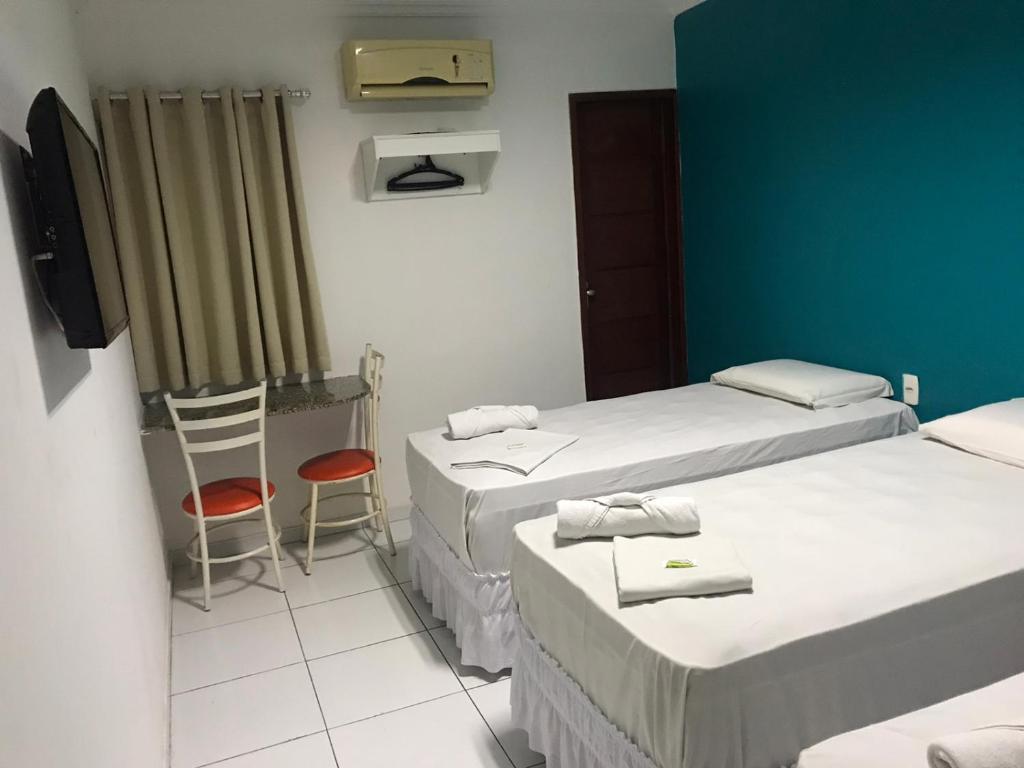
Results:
<point x="911" y="390"/>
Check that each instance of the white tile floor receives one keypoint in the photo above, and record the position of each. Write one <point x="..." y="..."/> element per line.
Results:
<point x="348" y="669"/>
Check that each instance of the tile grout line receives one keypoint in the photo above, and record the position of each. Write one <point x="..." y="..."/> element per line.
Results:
<point x="170" y="661"/>
<point x="446" y="661"/>
<point x="426" y="630"/>
<point x="181" y="566"/>
<point x="177" y="567"/>
<point x="458" y="677"/>
<point x="420" y="619"/>
<point x="501" y="746"/>
<point x="226" y="623"/>
<point x="443" y="625"/>
<point x="398" y="709"/>
<point x="368" y="645"/>
<point x="411" y="634"/>
<point x="286" y="562"/>
<point x="340" y="597"/>
<point x="220" y="760"/>
<point x="305" y="661"/>
<point x="302" y="650"/>
<point x="465" y="690"/>
<point x="483" y="683"/>
<point x="289" y="609"/>
<point x="430" y="631"/>
<point x="240" y="677"/>
<point x="387" y="565"/>
<point x="309" y="674"/>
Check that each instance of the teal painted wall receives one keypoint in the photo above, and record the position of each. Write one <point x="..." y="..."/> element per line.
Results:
<point x="853" y="189"/>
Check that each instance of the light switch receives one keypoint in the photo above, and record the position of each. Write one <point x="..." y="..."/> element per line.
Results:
<point x="911" y="391"/>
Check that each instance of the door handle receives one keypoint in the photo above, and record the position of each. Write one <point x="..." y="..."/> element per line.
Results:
<point x="591" y="292"/>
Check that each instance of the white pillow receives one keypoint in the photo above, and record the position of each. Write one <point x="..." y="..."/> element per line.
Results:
<point x="995" y="431"/>
<point x="817" y="386"/>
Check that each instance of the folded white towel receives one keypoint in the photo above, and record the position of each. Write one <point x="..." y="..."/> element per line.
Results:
<point x="626" y="514"/>
<point x="516" y="450"/>
<point x="652" y="567"/>
<point x="998" y="746"/>
<point x="485" y="419"/>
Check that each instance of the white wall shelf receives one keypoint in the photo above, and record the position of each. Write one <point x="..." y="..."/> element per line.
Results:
<point x="471" y="154"/>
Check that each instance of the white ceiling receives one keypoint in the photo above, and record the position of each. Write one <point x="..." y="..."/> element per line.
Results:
<point x="420" y="7"/>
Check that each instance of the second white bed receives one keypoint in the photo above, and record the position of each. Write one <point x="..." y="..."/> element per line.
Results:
<point x="463" y="518"/>
<point x="887" y="577"/>
<point x="903" y="741"/>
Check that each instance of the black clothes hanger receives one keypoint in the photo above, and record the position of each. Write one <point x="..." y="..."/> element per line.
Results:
<point x="403" y="182"/>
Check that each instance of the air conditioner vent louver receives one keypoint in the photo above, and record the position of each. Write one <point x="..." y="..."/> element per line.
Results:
<point x="417" y="69"/>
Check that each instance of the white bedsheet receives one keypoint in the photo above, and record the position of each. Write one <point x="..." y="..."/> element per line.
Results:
<point x="903" y="741"/>
<point x="887" y="576"/>
<point x="634" y="443"/>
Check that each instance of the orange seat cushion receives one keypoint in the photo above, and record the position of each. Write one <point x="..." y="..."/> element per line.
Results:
<point x="337" y="465"/>
<point x="226" y="497"/>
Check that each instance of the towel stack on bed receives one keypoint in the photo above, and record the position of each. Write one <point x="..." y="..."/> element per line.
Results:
<point x="652" y="567"/>
<point x="514" y="450"/>
<point x="503" y="437"/>
<point x="655" y="567"/>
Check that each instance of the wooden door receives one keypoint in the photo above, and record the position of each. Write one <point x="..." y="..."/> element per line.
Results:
<point x="628" y="232"/>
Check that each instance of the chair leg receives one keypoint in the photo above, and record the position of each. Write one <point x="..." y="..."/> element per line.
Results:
<point x="193" y="566"/>
<point x="272" y="541"/>
<point x="381" y="504"/>
<point x="204" y="552"/>
<point x="311" y="526"/>
<point x="374" y="502"/>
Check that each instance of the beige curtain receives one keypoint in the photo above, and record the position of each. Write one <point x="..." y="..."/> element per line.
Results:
<point x="212" y="238"/>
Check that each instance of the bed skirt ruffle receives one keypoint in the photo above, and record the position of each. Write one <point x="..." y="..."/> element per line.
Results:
<point x="477" y="607"/>
<point x="561" y="721"/>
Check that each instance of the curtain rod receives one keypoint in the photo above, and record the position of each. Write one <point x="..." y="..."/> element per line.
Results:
<point x="299" y="93"/>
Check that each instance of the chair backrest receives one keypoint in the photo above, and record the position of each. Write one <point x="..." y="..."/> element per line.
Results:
<point x="373" y="364"/>
<point x="187" y="428"/>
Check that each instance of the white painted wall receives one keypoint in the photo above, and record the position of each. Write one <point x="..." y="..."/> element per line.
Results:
<point x="83" y="587"/>
<point x="473" y="299"/>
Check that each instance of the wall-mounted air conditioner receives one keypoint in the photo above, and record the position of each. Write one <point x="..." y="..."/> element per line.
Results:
<point x="417" y="69"/>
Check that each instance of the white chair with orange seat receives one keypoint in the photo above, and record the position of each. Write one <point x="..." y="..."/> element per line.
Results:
<point x="351" y="464"/>
<point x="225" y="501"/>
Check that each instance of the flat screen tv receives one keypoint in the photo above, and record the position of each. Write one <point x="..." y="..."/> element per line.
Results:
<point x="77" y="261"/>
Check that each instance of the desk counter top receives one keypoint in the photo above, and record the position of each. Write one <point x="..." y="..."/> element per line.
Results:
<point x="286" y="398"/>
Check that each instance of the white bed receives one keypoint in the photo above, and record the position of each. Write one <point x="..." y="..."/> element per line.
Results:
<point x="903" y="741"/>
<point x="462" y="519"/>
<point x="887" y="577"/>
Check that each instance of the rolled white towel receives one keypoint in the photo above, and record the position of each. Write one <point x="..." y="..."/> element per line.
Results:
<point x="626" y="514"/>
<point x="997" y="746"/>
<point x="484" y="419"/>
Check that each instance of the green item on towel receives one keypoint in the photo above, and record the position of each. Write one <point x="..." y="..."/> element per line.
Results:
<point x="680" y="564"/>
